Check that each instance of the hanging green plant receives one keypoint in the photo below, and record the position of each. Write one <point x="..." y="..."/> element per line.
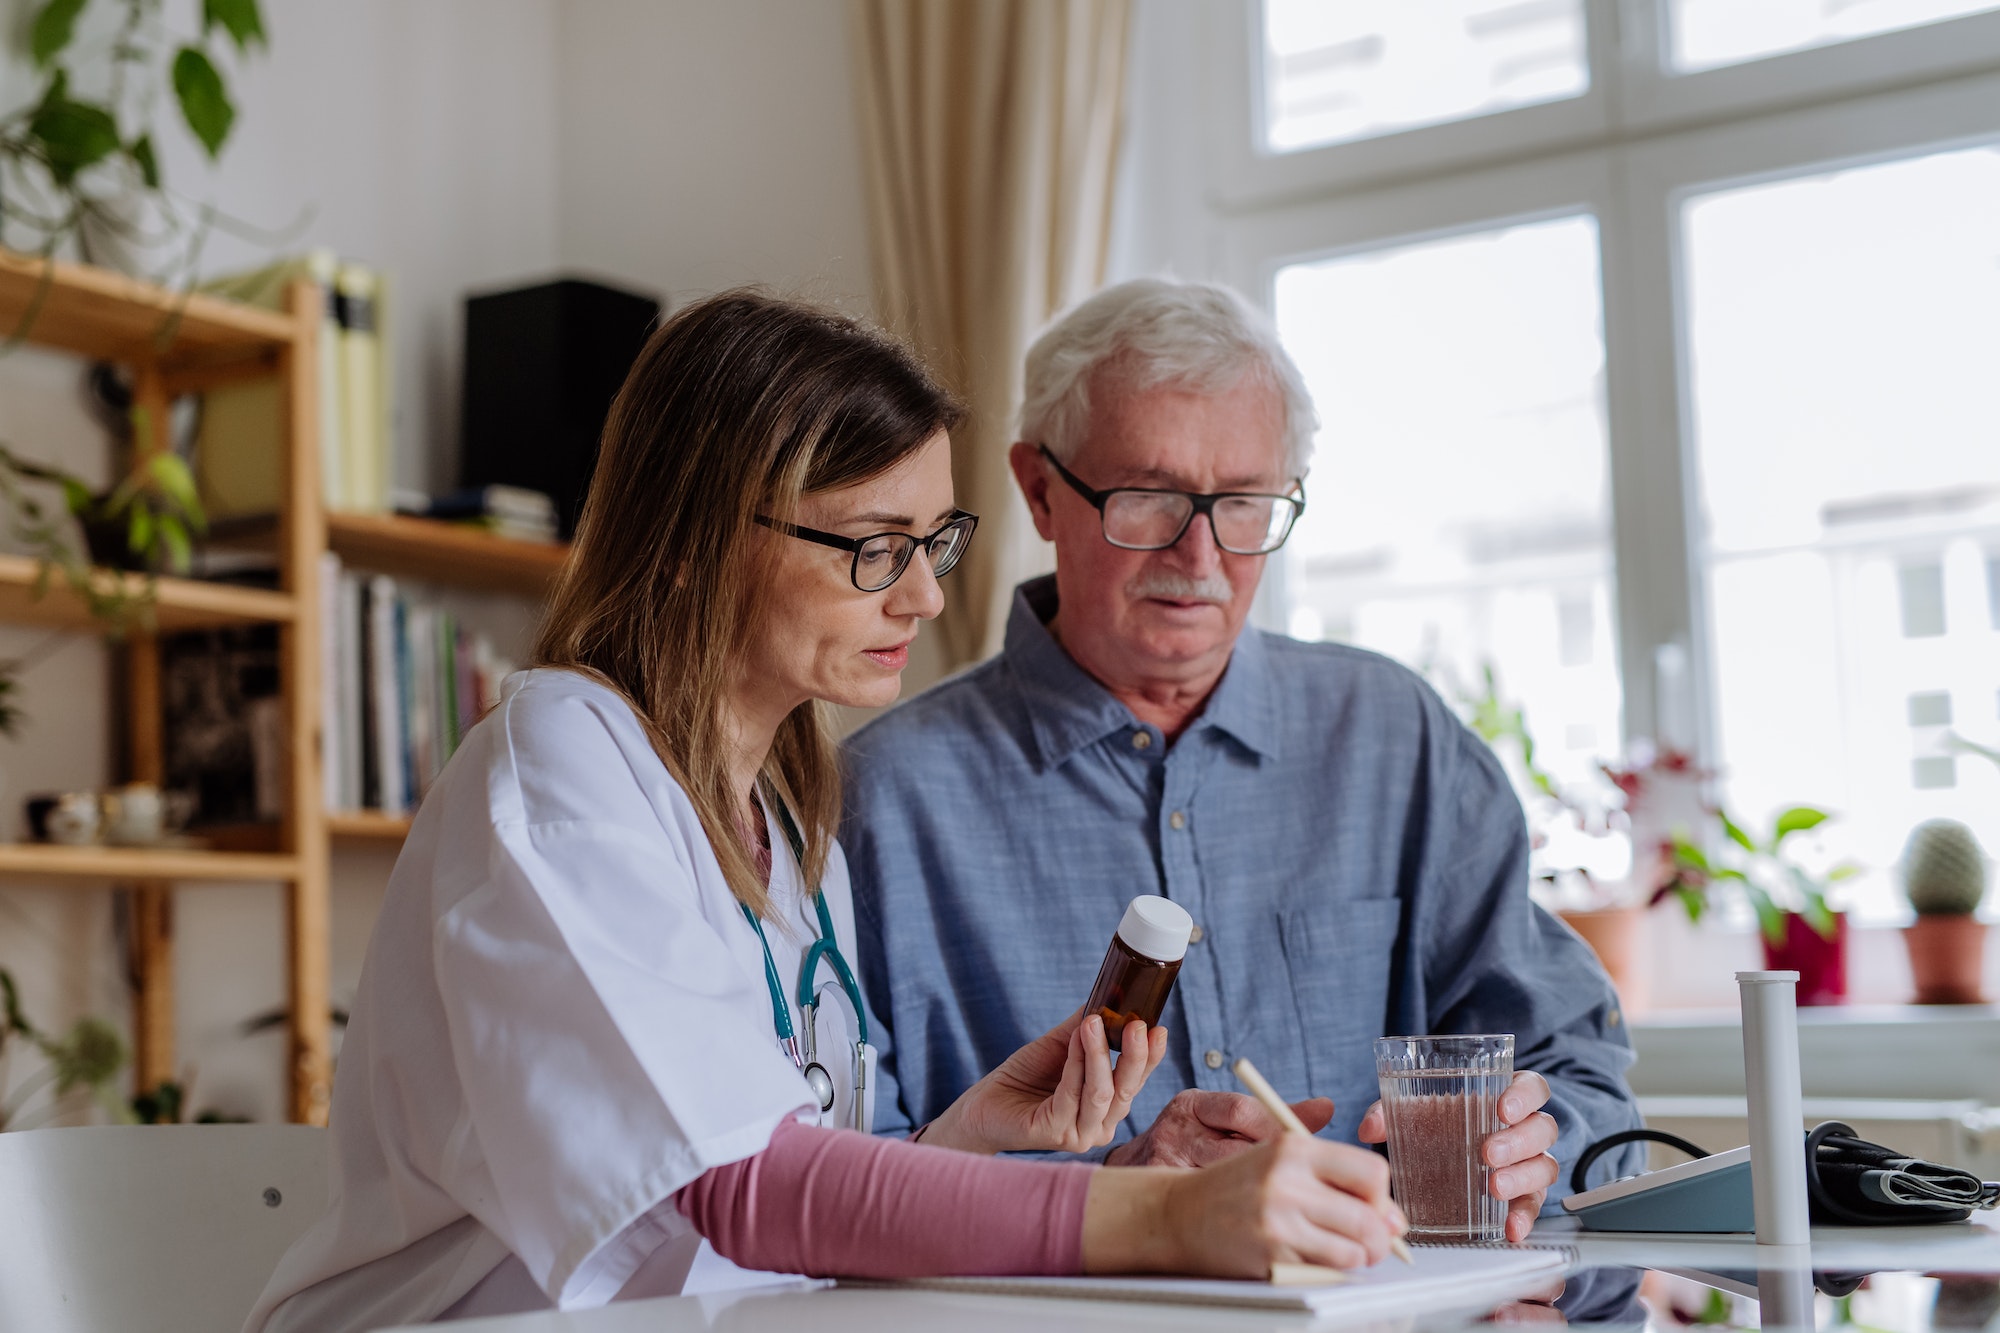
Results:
<point x="146" y="523"/>
<point x="84" y="1059"/>
<point x="82" y="169"/>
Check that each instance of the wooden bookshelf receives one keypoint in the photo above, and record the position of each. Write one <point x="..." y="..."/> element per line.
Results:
<point x="357" y="827"/>
<point x="362" y="826"/>
<point x="42" y="859"/>
<point x="173" y="343"/>
<point x="110" y="317"/>
<point x="178" y="604"/>
<point x="424" y="548"/>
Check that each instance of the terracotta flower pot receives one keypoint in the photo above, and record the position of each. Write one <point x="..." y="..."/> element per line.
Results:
<point x="1613" y="935"/>
<point x="1821" y="963"/>
<point x="1947" y="953"/>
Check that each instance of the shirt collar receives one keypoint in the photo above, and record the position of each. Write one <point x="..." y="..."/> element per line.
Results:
<point x="1068" y="709"/>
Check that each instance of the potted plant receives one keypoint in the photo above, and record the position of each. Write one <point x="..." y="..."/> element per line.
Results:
<point x="1653" y="794"/>
<point x="146" y="522"/>
<point x="1800" y="929"/>
<point x="1944" y="877"/>
<point x="79" y="162"/>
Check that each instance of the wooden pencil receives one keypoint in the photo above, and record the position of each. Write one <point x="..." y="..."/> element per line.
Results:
<point x="1261" y="1089"/>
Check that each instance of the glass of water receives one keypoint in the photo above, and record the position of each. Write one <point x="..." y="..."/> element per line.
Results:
<point x="1441" y="1096"/>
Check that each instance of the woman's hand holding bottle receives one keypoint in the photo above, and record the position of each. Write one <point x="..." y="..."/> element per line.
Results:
<point x="1059" y="1093"/>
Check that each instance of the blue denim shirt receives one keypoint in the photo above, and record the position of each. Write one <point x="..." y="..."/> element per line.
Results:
<point x="1354" y="859"/>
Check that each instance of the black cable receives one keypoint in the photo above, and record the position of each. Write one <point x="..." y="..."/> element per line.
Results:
<point x="1619" y="1140"/>
<point x="1830" y="1208"/>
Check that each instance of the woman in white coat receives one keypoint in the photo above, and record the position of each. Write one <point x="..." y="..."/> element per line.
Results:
<point x="605" y="1040"/>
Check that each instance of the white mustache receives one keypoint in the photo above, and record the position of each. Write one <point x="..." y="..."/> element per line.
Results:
<point x="1177" y="587"/>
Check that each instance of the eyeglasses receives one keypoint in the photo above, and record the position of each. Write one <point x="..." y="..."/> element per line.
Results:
<point x="881" y="559"/>
<point x="1143" y="518"/>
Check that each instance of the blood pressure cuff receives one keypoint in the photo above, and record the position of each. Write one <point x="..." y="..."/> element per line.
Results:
<point x="1853" y="1182"/>
<point x="1850" y="1181"/>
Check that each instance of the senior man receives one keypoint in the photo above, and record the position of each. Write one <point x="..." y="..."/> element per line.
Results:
<point x="1354" y="859"/>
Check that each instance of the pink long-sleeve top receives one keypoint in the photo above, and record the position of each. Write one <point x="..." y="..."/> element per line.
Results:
<point x="835" y="1203"/>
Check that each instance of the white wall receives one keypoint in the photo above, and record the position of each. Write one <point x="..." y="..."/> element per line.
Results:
<point x="708" y="145"/>
<point x="675" y="147"/>
<point x="705" y="145"/>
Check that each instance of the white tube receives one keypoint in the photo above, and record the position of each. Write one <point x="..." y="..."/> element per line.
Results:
<point x="1777" y="1120"/>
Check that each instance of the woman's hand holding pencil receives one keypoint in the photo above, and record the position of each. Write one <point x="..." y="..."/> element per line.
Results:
<point x="1289" y="1201"/>
<point x="1291" y="1209"/>
<point x="1260" y="1088"/>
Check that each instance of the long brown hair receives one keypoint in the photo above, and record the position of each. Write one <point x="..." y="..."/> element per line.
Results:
<point x="739" y="405"/>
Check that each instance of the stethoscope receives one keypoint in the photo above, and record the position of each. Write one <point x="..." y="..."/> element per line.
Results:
<point x="806" y="1055"/>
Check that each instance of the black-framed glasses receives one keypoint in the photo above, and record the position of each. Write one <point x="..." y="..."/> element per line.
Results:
<point x="881" y="559"/>
<point x="1145" y="518"/>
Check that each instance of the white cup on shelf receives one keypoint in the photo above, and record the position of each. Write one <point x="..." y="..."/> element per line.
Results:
<point x="134" y="814"/>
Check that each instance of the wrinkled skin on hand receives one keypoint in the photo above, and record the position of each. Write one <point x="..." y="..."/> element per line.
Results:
<point x="1198" y="1128"/>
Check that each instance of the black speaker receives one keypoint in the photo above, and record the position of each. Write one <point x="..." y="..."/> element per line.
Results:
<point x="542" y="365"/>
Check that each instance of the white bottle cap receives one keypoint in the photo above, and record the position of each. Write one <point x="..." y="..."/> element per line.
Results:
<point x="1157" y="928"/>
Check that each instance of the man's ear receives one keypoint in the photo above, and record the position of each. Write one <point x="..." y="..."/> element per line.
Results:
<point x="1033" y="479"/>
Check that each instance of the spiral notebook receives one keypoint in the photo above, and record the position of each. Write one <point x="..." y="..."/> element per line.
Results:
<point x="1444" y="1277"/>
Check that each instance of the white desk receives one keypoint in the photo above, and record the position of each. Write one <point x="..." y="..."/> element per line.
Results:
<point x="1973" y="1248"/>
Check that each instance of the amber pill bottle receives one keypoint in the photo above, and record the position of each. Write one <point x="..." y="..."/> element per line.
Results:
<point x="1141" y="964"/>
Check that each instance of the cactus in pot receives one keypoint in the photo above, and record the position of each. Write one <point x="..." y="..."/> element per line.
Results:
<point x="1944" y="876"/>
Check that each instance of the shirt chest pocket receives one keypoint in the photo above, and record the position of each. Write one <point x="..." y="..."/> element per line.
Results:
<point x="1340" y="957"/>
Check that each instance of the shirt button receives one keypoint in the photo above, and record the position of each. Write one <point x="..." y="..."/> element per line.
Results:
<point x="1213" y="1059"/>
<point x="1194" y="935"/>
<point x="1177" y="820"/>
<point x="1141" y="739"/>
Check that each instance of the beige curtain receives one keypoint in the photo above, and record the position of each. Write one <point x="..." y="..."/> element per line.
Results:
<point x="990" y="134"/>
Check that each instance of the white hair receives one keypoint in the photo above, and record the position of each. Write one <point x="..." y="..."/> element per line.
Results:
<point x="1193" y="336"/>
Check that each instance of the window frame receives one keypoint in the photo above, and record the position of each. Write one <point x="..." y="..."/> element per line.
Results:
<point x="1631" y="95"/>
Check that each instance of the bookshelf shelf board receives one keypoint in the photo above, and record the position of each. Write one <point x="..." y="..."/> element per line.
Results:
<point x="178" y="604"/>
<point x="367" y="826"/>
<point x="142" y="863"/>
<point x="107" y="316"/>
<point x="425" y="548"/>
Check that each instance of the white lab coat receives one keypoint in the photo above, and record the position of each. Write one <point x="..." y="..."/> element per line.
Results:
<point x="562" y="1020"/>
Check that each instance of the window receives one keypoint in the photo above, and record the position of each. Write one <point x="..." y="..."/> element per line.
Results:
<point x="1458" y="514"/>
<point x="1843" y="327"/>
<point x="1348" y="70"/>
<point x="1707" y="33"/>
<point x="1654" y="343"/>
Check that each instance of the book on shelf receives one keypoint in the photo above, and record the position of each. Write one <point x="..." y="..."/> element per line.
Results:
<point x="513" y="512"/>
<point x="404" y="682"/>
<point x="359" y="309"/>
<point x="239" y="459"/>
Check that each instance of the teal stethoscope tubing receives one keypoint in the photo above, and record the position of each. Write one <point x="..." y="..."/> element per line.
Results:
<point x="824" y="947"/>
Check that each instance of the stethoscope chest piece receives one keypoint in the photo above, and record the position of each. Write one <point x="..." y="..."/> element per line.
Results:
<point x="821" y="1084"/>
<point x="815" y="1073"/>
